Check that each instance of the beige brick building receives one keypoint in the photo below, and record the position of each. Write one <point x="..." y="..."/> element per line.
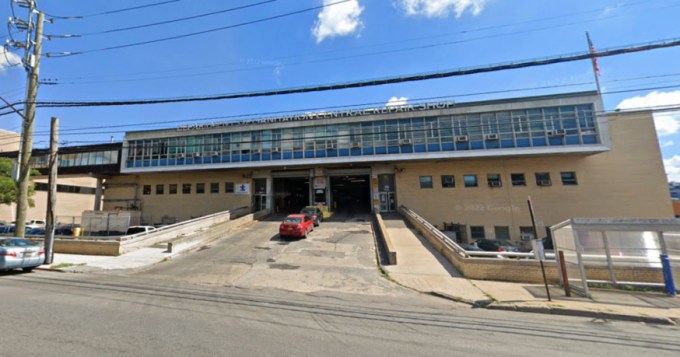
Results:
<point x="467" y="165"/>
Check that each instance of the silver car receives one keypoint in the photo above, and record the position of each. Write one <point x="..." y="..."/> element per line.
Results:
<point x="20" y="253"/>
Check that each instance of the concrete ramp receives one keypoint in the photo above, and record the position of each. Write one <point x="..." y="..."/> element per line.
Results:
<point x="422" y="268"/>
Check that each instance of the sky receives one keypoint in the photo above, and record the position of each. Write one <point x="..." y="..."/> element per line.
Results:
<point x="255" y="45"/>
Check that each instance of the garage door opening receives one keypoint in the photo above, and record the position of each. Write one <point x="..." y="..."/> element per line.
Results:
<point x="351" y="194"/>
<point x="291" y="194"/>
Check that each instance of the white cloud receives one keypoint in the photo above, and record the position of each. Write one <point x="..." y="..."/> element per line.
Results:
<point x="338" y="20"/>
<point x="668" y="143"/>
<point x="7" y="60"/>
<point x="394" y="101"/>
<point x="672" y="166"/>
<point x="442" y="8"/>
<point x="667" y="123"/>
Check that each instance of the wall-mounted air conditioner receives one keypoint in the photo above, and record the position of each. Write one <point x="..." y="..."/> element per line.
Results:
<point x="462" y="138"/>
<point x="405" y="142"/>
<point x="557" y="132"/>
<point x="491" y="137"/>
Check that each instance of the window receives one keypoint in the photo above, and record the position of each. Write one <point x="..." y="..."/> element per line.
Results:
<point x="425" y="181"/>
<point x="186" y="188"/>
<point x="200" y="188"/>
<point x="526" y="233"/>
<point x="146" y="190"/>
<point x="470" y="180"/>
<point x="502" y="232"/>
<point x="518" y="180"/>
<point x="477" y="232"/>
<point x="172" y="189"/>
<point x="214" y="187"/>
<point x="160" y="189"/>
<point x="543" y="179"/>
<point x="448" y="181"/>
<point x="568" y="178"/>
<point x="494" y="180"/>
<point x="228" y="187"/>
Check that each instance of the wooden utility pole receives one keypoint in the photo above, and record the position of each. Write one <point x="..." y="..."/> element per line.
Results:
<point x="52" y="192"/>
<point x="27" y="129"/>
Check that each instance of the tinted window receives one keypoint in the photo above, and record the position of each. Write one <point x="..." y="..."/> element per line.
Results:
<point x="292" y="220"/>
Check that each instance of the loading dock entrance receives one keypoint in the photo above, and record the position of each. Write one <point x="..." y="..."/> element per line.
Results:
<point x="291" y="194"/>
<point x="351" y="193"/>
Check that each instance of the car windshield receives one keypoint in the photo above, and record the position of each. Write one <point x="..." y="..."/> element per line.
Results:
<point x="292" y="220"/>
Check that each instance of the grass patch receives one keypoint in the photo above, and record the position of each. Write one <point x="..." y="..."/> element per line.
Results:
<point x="65" y="265"/>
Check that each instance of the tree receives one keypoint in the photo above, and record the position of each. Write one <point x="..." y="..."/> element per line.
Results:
<point x="8" y="188"/>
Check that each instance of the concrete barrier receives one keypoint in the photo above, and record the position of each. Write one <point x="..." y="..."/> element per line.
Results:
<point x="197" y="239"/>
<point x="384" y="236"/>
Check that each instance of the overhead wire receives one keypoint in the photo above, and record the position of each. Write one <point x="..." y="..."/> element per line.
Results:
<point x="306" y="62"/>
<point x="178" y="19"/>
<point x="222" y="28"/>
<point x="383" y="81"/>
<point x="111" y="11"/>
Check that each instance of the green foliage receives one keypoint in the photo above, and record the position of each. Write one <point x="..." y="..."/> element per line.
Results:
<point x="8" y="188"/>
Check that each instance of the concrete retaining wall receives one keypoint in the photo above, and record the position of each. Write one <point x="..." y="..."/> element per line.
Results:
<point x="384" y="236"/>
<point x="86" y="247"/>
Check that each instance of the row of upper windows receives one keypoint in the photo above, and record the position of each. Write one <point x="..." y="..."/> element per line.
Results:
<point x="494" y="180"/>
<point x="508" y="128"/>
<point x="187" y="188"/>
<point x="80" y="159"/>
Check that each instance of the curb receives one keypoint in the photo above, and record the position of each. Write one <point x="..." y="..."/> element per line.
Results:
<point x="473" y="303"/>
<point x="582" y="313"/>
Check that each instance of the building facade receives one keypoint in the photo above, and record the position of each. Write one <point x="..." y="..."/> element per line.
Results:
<point x="464" y="166"/>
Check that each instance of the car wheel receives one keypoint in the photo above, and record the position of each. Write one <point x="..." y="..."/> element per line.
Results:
<point x="28" y="270"/>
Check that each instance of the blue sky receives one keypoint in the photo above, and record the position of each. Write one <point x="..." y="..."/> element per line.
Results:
<point x="351" y="41"/>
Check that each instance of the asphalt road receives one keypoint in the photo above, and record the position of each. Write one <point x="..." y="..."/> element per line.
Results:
<point x="53" y="314"/>
<point x="338" y="256"/>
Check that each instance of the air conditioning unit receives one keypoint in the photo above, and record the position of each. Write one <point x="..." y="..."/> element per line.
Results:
<point x="197" y="154"/>
<point x="405" y="142"/>
<point x="276" y="150"/>
<point x="355" y="145"/>
<point x="544" y="183"/>
<point x="526" y="237"/>
<point x="256" y="152"/>
<point x="491" y="137"/>
<point x="495" y="184"/>
<point x="214" y="153"/>
<point x="462" y="138"/>
<point x="180" y="156"/>
<point x="557" y="132"/>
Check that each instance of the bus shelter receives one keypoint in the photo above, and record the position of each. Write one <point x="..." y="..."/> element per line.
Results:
<point x="612" y="251"/>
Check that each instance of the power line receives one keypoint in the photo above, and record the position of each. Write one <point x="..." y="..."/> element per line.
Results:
<point x="176" y="20"/>
<point x="67" y="54"/>
<point x="376" y="82"/>
<point x="112" y="11"/>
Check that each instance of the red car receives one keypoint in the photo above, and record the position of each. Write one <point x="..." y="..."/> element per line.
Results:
<point x="296" y="225"/>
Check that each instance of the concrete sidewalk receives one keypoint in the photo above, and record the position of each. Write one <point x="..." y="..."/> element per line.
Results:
<point x="422" y="268"/>
<point x="137" y="259"/>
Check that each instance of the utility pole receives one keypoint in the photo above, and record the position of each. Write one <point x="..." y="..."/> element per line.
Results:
<point x="32" y="63"/>
<point x="52" y="192"/>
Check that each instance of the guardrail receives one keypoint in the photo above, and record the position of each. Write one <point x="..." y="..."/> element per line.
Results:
<point x="453" y="246"/>
<point x="184" y="228"/>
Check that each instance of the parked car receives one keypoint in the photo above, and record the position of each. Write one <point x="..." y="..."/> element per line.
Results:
<point x="315" y="212"/>
<point x="491" y="245"/>
<point x="471" y="247"/>
<point x="20" y="253"/>
<point x="35" y="232"/>
<point x="139" y="229"/>
<point x="7" y="229"/>
<point x="35" y="223"/>
<point x="296" y="225"/>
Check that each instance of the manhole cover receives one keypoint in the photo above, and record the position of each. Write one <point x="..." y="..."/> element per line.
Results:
<point x="283" y="266"/>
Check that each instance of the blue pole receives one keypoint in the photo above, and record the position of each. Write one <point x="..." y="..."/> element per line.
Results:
<point x="667" y="275"/>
